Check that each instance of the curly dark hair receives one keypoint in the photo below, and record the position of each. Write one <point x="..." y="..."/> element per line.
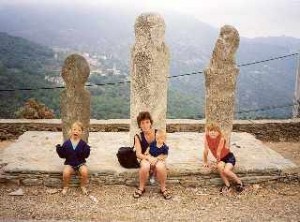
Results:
<point x="144" y="116"/>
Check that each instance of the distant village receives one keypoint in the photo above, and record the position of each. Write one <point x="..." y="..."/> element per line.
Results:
<point x="95" y="61"/>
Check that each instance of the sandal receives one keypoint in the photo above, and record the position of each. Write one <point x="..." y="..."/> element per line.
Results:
<point x="166" y="194"/>
<point x="138" y="193"/>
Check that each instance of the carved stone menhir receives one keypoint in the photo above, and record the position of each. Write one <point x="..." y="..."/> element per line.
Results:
<point x="149" y="71"/>
<point x="75" y="99"/>
<point x="220" y="81"/>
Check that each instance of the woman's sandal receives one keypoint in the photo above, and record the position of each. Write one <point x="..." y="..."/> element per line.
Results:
<point x="138" y="193"/>
<point x="166" y="194"/>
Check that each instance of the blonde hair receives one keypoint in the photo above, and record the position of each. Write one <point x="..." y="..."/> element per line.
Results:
<point x="78" y="123"/>
<point x="213" y="127"/>
<point x="161" y="133"/>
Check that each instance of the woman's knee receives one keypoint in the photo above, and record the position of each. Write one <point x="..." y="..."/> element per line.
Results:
<point x="144" y="165"/>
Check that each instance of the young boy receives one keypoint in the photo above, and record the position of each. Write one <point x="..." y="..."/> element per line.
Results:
<point x="215" y="142"/>
<point x="75" y="151"/>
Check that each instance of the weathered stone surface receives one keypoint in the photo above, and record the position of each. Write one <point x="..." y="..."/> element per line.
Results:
<point x="33" y="160"/>
<point x="53" y="182"/>
<point x="31" y="182"/>
<point x="149" y="71"/>
<point x="220" y="81"/>
<point x="75" y="99"/>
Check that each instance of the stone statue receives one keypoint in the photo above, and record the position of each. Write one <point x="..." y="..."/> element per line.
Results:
<point x="75" y="99"/>
<point x="149" y="71"/>
<point x="220" y="81"/>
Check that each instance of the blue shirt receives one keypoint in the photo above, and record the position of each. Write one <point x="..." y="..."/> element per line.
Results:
<point x="155" y="151"/>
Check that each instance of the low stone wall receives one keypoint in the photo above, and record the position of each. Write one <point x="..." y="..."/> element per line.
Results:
<point x="266" y="130"/>
<point x="192" y="180"/>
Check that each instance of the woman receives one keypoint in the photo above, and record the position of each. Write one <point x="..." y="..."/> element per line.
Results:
<point x="141" y="143"/>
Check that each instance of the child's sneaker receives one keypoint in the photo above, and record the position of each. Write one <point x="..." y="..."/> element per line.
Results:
<point x="240" y="188"/>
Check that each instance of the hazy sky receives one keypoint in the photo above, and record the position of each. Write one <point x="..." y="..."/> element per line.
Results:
<point x="251" y="17"/>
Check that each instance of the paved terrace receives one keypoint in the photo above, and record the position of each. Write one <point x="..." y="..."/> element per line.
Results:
<point x="32" y="159"/>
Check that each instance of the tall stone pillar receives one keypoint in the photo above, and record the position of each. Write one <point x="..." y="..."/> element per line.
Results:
<point x="75" y="99"/>
<point x="149" y="71"/>
<point x="220" y="81"/>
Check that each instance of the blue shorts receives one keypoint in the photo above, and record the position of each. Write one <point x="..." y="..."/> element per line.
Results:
<point x="229" y="158"/>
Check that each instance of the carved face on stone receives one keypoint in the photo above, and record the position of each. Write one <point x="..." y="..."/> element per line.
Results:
<point x="227" y="43"/>
<point x="150" y="27"/>
<point x="75" y="71"/>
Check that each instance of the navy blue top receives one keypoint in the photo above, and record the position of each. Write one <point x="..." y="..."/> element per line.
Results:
<point x="74" y="157"/>
<point x="143" y="141"/>
<point x="155" y="151"/>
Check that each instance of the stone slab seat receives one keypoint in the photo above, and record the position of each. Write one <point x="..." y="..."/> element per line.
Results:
<point x="34" y="156"/>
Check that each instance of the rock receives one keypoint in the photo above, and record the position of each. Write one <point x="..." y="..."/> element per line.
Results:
<point x="18" y="192"/>
<point x="94" y="199"/>
<point x="32" y="182"/>
<point x="53" y="182"/>
<point x="52" y="191"/>
<point x="255" y="187"/>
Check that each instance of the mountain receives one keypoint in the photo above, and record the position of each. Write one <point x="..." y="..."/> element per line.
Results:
<point x="24" y="64"/>
<point x="110" y="32"/>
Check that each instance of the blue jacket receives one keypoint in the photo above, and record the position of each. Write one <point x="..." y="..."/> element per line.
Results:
<point x="73" y="157"/>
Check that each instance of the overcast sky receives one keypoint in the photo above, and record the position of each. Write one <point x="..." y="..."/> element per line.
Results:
<point x="251" y="17"/>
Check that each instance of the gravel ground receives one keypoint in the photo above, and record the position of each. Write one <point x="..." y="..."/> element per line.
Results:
<point x="272" y="201"/>
<point x="276" y="201"/>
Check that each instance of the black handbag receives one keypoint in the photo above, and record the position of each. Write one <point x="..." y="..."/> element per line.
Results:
<point x="127" y="157"/>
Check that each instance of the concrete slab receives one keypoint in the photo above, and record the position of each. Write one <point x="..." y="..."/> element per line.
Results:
<point x="34" y="152"/>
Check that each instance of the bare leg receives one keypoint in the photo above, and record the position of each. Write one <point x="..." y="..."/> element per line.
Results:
<point x="221" y="167"/>
<point x="144" y="174"/>
<point x="228" y="172"/>
<point x="161" y="174"/>
<point x="67" y="173"/>
<point x="83" y="171"/>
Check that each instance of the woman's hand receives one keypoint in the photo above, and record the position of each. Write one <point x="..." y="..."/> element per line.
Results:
<point x="152" y="160"/>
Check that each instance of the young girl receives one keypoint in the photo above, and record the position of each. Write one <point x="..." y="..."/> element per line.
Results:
<point x="75" y="151"/>
<point x="215" y="142"/>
